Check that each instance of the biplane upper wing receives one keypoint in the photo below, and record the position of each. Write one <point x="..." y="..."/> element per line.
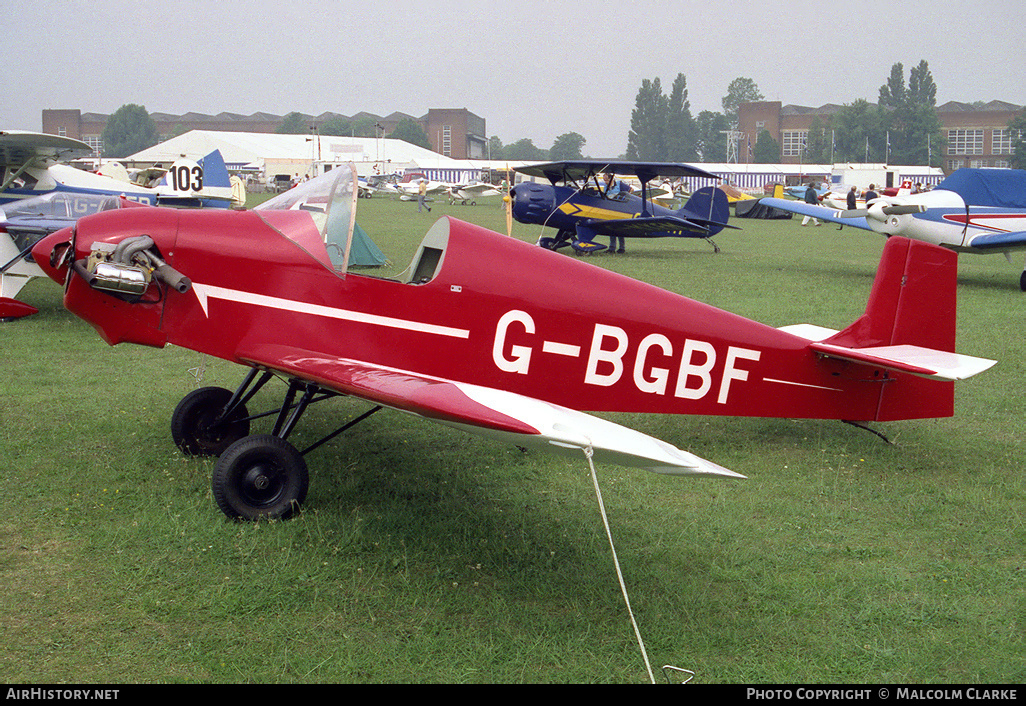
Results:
<point x="19" y="148"/>
<point x="577" y="169"/>
<point x="486" y="411"/>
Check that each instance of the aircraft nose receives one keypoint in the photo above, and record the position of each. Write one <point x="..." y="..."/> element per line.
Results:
<point x="52" y="254"/>
<point x="532" y="203"/>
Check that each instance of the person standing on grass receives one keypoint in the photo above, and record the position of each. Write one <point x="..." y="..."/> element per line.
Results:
<point x="871" y="194"/>
<point x="811" y="197"/>
<point x="422" y="197"/>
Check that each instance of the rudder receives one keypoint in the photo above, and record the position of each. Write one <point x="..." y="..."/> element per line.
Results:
<point x="913" y="299"/>
<point x="912" y="303"/>
<point x="707" y="205"/>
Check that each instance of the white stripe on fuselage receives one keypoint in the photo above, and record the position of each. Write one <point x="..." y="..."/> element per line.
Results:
<point x="209" y="291"/>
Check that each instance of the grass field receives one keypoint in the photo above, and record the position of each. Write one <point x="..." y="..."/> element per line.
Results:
<point x="427" y="555"/>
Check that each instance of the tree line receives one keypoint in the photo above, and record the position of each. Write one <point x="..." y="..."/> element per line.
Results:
<point x="900" y="128"/>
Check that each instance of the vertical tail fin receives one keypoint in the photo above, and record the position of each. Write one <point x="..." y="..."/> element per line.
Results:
<point x="912" y="301"/>
<point x="707" y="205"/>
<point x="187" y="181"/>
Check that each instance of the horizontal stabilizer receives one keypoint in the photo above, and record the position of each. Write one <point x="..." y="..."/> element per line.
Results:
<point x="810" y="332"/>
<point x="916" y="360"/>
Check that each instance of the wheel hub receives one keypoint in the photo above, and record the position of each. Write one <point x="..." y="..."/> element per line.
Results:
<point x="261" y="484"/>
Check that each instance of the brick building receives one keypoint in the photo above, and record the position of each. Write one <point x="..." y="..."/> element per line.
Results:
<point x="977" y="134"/>
<point x="453" y="132"/>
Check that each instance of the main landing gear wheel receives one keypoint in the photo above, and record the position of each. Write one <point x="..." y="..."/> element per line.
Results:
<point x="260" y="477"/>
<point x="197" y="427"/>
<point x="1022" y="281"/>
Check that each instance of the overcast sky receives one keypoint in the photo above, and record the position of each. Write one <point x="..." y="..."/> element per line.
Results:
<point x="530" y="68"/>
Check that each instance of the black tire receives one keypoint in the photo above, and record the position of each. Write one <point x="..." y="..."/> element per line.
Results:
<point x="260" y="477"/>
<point x="193" y="425"/>
<point x="1022" y="281"/>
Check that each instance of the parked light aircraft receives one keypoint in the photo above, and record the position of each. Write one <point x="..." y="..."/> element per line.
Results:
<point x="31" y="164"/>
<point x="973" y="210"/>
<point x="23" y="223"/>
<point x="580" y="211"/>
<point x="488" y="334"/>
<point x="470" y="192"/>
<point x="39" y="195"/>
<point x="408" y="187"/>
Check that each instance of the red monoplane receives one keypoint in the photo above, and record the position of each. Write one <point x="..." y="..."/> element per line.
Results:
<point x="488" y="334"/>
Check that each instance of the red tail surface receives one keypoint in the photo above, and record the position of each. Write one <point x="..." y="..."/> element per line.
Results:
<point x="912" y="300"/>
<point x="912" y="303"/>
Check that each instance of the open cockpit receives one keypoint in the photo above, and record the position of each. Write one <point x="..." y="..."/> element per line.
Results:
<point x="320" y="217"/>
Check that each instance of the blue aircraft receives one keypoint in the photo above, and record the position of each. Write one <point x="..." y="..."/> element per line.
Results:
<point x="583" y="207"/>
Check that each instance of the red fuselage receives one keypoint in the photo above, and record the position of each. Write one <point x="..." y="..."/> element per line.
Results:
<point x="497" y="313"/>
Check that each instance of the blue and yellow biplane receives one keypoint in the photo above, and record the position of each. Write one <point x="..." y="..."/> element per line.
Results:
<point x="580" y="206"/>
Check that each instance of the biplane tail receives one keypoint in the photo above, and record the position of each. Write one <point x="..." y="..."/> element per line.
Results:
<point x="708" y="206"/>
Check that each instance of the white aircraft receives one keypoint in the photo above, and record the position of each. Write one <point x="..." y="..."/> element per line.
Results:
<point x="32" y="163"/>
<point x="838" y="197"/>
<point x="973" y="211"/>
<point x="409" y="187"/>
<point x="23" y="223"/>
<point x="471" y="192"/>
<point x="39" y="194"/>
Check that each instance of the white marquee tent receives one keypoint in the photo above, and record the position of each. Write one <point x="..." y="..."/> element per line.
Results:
<point x="269" y="154"/>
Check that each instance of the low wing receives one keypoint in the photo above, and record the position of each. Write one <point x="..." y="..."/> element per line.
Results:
<point x="999" y="241"/>
<point x="490" y="412"/>
<point x="18" y="148"/>
<point x="831" y="215"/>
<point x="577" y="169"/>
<point x="479" y="188"/>
<point x="650" y="227"/>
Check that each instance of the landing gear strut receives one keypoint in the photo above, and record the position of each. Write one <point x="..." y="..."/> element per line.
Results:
<point x="260" y="476"/>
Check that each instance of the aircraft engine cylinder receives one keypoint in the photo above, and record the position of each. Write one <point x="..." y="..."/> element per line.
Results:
<point x="129" y="267"/>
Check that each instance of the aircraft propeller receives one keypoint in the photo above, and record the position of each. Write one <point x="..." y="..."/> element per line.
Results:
<point x="508" y="201"/>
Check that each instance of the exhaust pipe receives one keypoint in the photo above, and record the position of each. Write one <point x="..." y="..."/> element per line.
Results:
<point x="128" y="268"/>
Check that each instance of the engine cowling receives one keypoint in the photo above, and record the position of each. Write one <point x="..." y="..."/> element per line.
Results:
<point x="532" y="203"/>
